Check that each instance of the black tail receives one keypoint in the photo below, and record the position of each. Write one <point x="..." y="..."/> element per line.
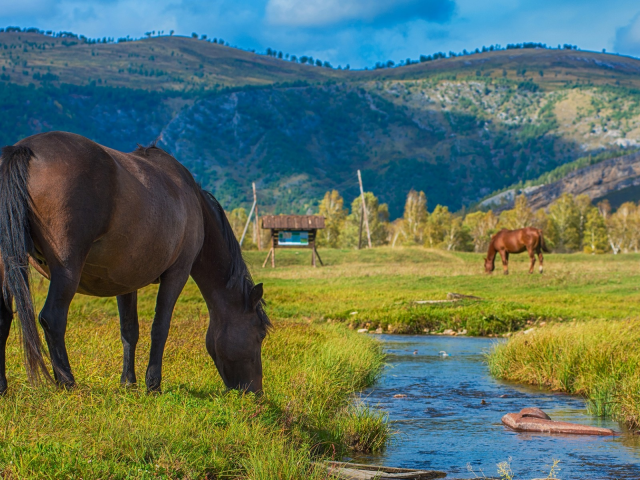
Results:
<point x="15" y="243"/>
<point x="543" y="245"/>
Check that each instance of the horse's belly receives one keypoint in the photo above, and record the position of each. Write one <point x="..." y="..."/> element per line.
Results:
<point x="109" y="272"/>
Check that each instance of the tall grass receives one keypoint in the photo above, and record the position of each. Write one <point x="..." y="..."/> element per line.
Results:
<point x="195" y="428"/>
<point x="597" y="359"/>
<point x="379" y="288"/>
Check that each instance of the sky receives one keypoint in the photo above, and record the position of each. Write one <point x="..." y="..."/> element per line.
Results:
<point x="357" y="33"/>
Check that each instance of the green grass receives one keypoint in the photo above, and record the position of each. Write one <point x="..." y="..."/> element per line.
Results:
<point x="194" y="429"/>
<point x="382" y="284"/>
<point x="598" y="359"/>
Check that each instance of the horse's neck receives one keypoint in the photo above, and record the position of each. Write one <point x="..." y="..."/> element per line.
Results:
<point x="210" y="270"/>
<point x="491" y="254"/>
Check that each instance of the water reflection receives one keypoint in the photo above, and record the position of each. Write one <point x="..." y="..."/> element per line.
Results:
<point x="450" y="417"/>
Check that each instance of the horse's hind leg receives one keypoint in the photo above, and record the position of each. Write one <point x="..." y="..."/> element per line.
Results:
<point x="129" y="333"/>
<point x="6" y="317"/>
<point x="540" y="258"/>
<point x="53" y="318"/>
<point x="171" y="284"/>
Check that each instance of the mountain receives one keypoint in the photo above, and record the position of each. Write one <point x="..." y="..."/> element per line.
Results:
<point x="616" y="180"/>
<point x="457" y="128"/>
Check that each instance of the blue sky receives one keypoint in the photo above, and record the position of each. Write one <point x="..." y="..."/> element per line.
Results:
<point x="355" y="32"/>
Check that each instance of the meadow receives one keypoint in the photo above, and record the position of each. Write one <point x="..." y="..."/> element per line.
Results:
<point x="315" y="363"/>
<point x="195" y="428"/>
<point x="383" y="285"/>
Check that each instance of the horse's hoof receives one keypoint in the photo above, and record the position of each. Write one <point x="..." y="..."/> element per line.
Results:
<point x="128" y="380"/>
<point x="153" y="385"/>
<point x="68" y="385"/>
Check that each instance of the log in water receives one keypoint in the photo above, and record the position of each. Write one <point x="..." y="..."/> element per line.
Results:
<point x="447" y="411"/>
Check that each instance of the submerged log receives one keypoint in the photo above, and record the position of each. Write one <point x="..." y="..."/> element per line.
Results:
<point x="535" y="420"/>
<point x="356" y="471"/>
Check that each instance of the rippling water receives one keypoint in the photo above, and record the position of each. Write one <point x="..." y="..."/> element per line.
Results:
<point x="443" y="425"/>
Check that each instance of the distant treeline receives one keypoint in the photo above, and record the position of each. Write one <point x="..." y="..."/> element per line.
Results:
<point x="570" y="224"/>
<point x="303" y="59"/>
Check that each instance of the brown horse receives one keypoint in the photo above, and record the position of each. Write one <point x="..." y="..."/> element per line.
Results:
<point x="515" y="241"/>
<point x="105" y="223"/>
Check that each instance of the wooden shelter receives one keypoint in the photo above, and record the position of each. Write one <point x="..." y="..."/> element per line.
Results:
<point x="293" y="231"/>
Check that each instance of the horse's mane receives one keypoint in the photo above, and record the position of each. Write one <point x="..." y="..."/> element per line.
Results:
<point x="238" y="277"/>
<point x="144" y="151"/>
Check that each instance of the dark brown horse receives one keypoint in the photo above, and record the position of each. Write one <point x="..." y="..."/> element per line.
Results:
<point x="515" y="241"/>
<point x="105" y="223"/>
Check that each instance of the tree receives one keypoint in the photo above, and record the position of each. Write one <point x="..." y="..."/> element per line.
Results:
<point x="618" y="227"/>
<point x="565" y="219"/>
<point x="378" y="215"/>
<point x="481" y="225"/>
<point x="519" y="217"/>
<point x="334" y="213"/>
<point x="414" y="218"/>
<point x="453" y="234"/>
<point x="437" y="226"/>
<point x="595" y="238"/>
<point x="238" y="219"/>
<point x="583" y="206"/>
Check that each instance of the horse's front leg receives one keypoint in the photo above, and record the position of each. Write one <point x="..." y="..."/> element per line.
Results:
<point x="129" y="333"/>
<point x="53" y="318"/>
<point x="532" y="263"/>
<point x="505" y="261"/>
<point x="171" y="284"/>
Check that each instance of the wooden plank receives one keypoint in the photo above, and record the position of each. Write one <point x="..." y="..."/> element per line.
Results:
<point x="354" y="471"/>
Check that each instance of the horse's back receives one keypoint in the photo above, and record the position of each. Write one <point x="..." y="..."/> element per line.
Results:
<point x="127" y="216"/>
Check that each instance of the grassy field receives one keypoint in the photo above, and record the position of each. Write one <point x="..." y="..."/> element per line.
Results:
<point x="314" y="364"/>
<point x="194" y="429"/>
<point x="598" y="359"/>
<point x="382" y="286"/>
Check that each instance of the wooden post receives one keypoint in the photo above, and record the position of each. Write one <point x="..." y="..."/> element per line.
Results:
<point x="360" y="231"/>
<point x="317" y="254"/>
<point x="313" y="252"/>
<point x="244" y="232"/>
<point x="266" y="259"/>
<point x="255" y="201"/>
<point x="274" y="240"/>
<point x="364" y="209"/>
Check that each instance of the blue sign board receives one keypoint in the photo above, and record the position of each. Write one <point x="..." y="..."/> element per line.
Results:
<point x="293" y="239"/>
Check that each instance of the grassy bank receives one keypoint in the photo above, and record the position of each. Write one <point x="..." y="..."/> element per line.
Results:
<point x="597" y="359"/>
<point x="383" y="284"/>
<point x="194" y="429"/>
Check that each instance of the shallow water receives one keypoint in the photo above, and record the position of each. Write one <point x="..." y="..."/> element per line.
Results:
<point x="443" y="425"/>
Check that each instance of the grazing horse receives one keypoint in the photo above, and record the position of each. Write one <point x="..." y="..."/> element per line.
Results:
<point x="105" y="223"/>
<point x="515" y="241"/>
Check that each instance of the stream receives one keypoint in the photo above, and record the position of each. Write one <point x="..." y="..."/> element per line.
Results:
<point x="442" y="423"/>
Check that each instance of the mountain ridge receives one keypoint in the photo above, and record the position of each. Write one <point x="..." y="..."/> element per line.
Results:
<point x="457" y="128"/>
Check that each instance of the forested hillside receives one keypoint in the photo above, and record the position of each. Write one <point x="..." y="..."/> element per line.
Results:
<point x="457" y="128"/>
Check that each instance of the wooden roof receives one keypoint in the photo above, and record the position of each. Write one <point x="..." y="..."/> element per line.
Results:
<point x="293" y="222"/>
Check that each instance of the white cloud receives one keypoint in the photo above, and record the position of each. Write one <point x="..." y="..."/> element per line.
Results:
<point x="628" y="37"/>
<point x="321" y="13"/>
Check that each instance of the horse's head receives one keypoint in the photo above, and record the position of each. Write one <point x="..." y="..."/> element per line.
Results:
<point x="234" y="340"/>
<point x="489" y="265"/>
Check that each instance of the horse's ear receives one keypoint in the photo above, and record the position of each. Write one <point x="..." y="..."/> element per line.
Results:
<point x="256" y="295"/>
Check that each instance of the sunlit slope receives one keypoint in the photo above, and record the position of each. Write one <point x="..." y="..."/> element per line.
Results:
<point x="181" y="63"/>
<point x="158" y="63"/>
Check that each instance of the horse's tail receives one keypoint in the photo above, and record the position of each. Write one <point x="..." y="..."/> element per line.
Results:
<point x="543" y="245"/>
<point x="15" y="244"/>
